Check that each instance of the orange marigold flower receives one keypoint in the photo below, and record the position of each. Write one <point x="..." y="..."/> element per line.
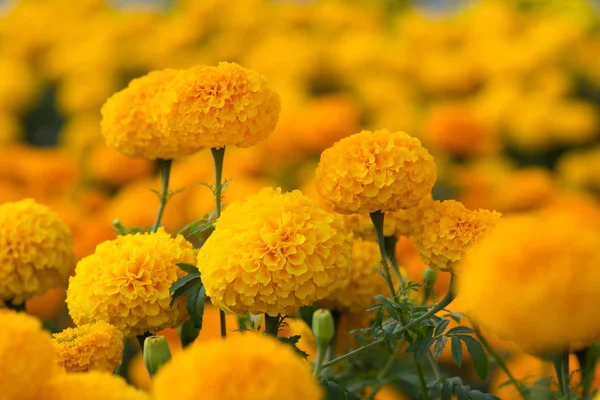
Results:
<point x="93" y="385"/>
<point x="126" y="283"/>
<point x="534" y="280"/>
<point x="276" y="372"/>
<point x="36" y="251"/>
<point x="372" y="171"/>
<point x="89" y="347"/>
<point x="444" y="231"/>
<point x="226" y="105"/>
<point x="273" y="253"/>
<point x="127" y="124"/>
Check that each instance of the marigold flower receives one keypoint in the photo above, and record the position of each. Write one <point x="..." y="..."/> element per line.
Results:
<point x="89" y="347"/>
<point x="35" y="250"/>
<point x="226" y="105"/>
<point x="273" y="253"/>
<point x="126" y="283"/>
<point x="524" y="283"/>
<point x="127" y="124"/>
<point x="27" y="359"/>
<point x="445" y="230"/>
<point x="93" y="385"/>
<point x="372" y="171"/>
<point x="276" y="372"/>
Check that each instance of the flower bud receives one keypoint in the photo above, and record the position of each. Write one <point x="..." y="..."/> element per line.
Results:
<point x="429" y="275"/>
<point x="156" y="353"/>
<point x="323" y="326"/>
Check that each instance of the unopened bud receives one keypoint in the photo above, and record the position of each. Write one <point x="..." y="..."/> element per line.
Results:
<point x="429" y="275"/>
<point x="156" y="353"/>
<point x="323" y="326"/>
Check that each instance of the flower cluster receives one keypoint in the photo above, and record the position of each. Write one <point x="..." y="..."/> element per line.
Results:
<point x="126" y="283"/>
<point x="273" y="253"/>
<point x="35" y="250"/>
<point x="375" y="171"/>
<point x="89" y="347"/>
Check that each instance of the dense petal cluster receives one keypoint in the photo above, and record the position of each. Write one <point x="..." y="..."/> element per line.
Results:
<point x="127" y="124"/>
<point x="445" y="230"/>
<point x="126" y="283"/>
<point x="265" y="369"/>
<point x="397" y="223"/>
<point x="36" y="251"/>
<point x="89" y="347"/>
<point x="372" y="171"/>
<point x="93" y="385"/>
<point x="534" y="279"/>
<point x="226" y="105"/>
<point x="364" y="283"/>
<point x="273" y="253"/>
<point x="27" y="359"/>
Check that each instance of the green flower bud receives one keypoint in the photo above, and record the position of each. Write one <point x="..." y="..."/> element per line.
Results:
<point x="429" y="275"/>
<point x="323" y="326"/>
<point x="156" y="353"/>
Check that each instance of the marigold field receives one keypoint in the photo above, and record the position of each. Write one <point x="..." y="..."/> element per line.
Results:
<point x="299" y="199"/>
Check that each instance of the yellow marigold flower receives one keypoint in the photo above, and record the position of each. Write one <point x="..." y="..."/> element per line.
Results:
<point x="445" y="230"/>
<point x="273" y="253"/>
<point x="372" y="171"/>
<point x="397" y="223"/>
<point x="226" y="105"/>
<point x="93" y="385"/>
<point x="89" y="347"/>
<point x="126" y="283"/>
<point x="364" y="283"/>
<point x="534" y="280"/>
<point x="127" y="124"/>
<point x="35" y="250"/>
<point x="265" y="369"/>
<point x="27" y="359"/>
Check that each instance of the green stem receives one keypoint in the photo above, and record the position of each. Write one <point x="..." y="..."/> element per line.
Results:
<point x="434" y="365"/>
<point x="142" y="338"/>
<point x="500" y="362"/>
<point x="390" y="250"/>
<point x="333" y="343"/>
<point x="424" y="389"/>
<point x="352" y="353"/>
<point x="165" y="172"/>
<point x="321" y="352"/>
<point x="218" y="156"/>
<point x="272" y="325"/>
<point x="377" y="219"/>
<point x="561" y="365"/>
<point x="587" y="363"/>
<point x="385" y="371"/>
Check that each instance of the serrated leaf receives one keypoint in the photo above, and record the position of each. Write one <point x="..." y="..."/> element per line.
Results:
<point x="425" y="346"/>
<point x="460" y="330"/>
<point x="181" y="282"/>
<point x="462" y="393"/>
<point x="441" y="327"/>
<point x="195" y="305"/>
<point x="478" y="356"/>
<point x="293" y="341"/>
<point x="439" y="347"/>
<point x="477" y="395"/>
<point x="333" y="391"/>
<point x="189" y="268"/>
<point x="183" y="286"/>
<point x="447" y="389"/>
<point x="457" y="354"/>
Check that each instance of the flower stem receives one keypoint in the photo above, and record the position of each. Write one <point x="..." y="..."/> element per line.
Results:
<point x="587" y="363"/>
<point x="272" y="325"/>
<point x="424" y="389"/>
<point x="142" y="338"/>
<point x="165" y="172"/>
<point x="218" y="156"/>
<point x="384" y="371"/>
<point x="561" y="365"/>
<point x="390" y="250"/>
<point x="321" y="352"/>
<point x="377" y="219"/>
<point x="352" y="353"/>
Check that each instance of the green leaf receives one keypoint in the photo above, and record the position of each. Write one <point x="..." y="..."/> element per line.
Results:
<point x="462" y="393"/>
<point x="333" y="391"/>
<point x="195" y="305"/>
<point x="477" y="395"/>
<point x="189" y="268"/>
<point x="478" y="356"/>
<point x="181" y="282"/>
<point x="457" y="354"/>
<point x="447" y="389"/>
<point x="460" y="330"/>
<point x="184" y="286"/>
<point x="441" y="327"/>
<point x="293" y="341"/>
<point x="425" y="346"/>
<point x="440" y="343"/>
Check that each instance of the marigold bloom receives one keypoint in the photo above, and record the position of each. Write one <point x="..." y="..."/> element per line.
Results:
<point x="89" y="347"/>
<point x="372" y="171"/>
<point x="265" y="369"/>
<point x="35" y="250"/>
<point x="93" y="385"/>
<point x="226" y="105"/>
<point x="128" y="127"/>
<point x="529" y="281"/>
<point x="27" y="359"/>
<point x="445" y="230"/>
<point x="126" y="283"/>
<point x="273" y="253"/>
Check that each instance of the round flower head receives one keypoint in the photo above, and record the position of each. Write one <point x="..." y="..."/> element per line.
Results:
<point x="35" y="250"/>
<point x="93" y="385"/>
<point x="127" y="124"/>
<point x="534" y="280"/>
<point x="27" y="359"/>
<point x="265" y="369"/>
<point x="375" y="171"/>
<point x="126" y="283"/>
<point x="89" y="347"/>
<point x="274" y="253"/>
<point x="226" y="105"/>
<point x="445" y="230"/>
